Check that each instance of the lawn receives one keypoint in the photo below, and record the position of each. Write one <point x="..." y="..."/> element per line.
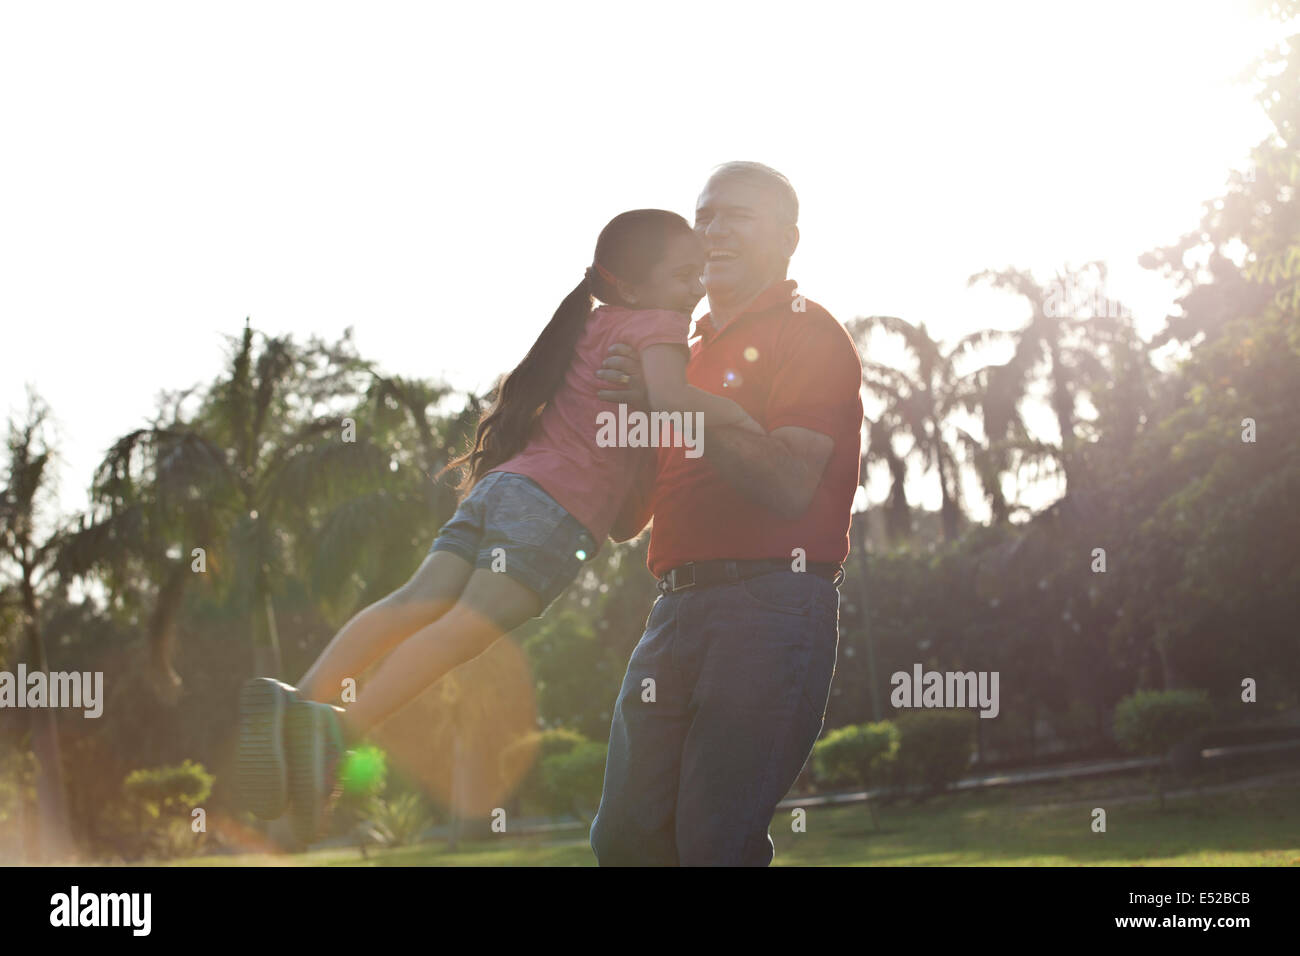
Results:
<point x="1046" y="825"/>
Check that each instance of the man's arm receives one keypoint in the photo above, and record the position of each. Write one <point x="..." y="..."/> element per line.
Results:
<point x="780" y="470"/>
<point x="813" y="394"/>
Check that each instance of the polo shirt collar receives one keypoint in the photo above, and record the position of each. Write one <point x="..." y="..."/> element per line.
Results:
<point x="778" y="292"/>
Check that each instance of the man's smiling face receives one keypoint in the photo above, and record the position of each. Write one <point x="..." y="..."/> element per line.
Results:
<point x="747" y="245"/>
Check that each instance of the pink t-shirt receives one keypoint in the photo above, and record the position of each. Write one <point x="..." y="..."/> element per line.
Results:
<point x="562" y="456"/>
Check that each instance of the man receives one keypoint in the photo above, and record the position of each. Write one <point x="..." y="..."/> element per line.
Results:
<point x="726" y="692"/>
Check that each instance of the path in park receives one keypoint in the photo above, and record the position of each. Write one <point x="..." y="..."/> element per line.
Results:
<point x="1250" y="783"/>
<point x="1095" y="768"/>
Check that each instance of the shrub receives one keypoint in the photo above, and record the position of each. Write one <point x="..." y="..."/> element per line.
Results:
<point x="1154" y="722"/>
<point x="856" y="755"/>
<point x="166" y="789"/>
<point x="521" y="761"/>
<point x="397" y="821"/>
<point x="573" y="781"/>
<point x="160" y="802"/>
<point x="935" y="747"/>
<point x="859" y="754"/>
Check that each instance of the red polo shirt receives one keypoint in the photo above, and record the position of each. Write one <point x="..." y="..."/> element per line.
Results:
<point x="785" y="367"/>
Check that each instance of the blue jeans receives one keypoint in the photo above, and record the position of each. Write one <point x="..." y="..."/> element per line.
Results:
<point x="741" y="674"/>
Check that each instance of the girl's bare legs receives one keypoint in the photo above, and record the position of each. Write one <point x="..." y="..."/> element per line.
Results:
<point x="373" y="632"/>
<point x="492" y="605"/>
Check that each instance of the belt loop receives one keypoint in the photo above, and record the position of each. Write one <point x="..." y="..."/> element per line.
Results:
<point x="732" y="574"/>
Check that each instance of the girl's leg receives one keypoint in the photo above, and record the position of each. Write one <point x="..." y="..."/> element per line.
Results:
<point x="491" y="605"/>
<point x="373" y="632"/>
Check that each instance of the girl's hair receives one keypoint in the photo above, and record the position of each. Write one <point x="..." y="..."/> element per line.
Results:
<point x="629" y="247"/>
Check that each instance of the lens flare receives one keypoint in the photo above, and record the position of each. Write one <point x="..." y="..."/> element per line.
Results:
<point x="364" y="770"/>
<point x="455" y="739"/>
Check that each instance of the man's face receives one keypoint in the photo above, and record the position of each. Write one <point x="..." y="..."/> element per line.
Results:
<point x="747" y="247"/>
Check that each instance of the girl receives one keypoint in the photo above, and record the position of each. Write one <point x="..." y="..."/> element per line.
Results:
<point x="541" y="498"/>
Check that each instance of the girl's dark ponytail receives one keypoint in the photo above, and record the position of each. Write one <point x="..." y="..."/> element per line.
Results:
<point x="504" y="429"/>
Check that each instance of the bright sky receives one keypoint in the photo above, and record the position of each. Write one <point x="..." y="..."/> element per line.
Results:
<point x="436" y="175"/>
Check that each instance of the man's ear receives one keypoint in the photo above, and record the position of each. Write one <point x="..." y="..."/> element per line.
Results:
<point x="791" y="240"/>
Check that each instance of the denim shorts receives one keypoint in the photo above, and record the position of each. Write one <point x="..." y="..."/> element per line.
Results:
<point x="507" y="523"/>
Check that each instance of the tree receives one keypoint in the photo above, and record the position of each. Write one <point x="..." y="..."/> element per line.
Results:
<point x="1058" y="339"/>
<point x="1156" y="722"/>
<point x="1260" y="212"/>
<point x="27" y="561"/>
<point x="1208" y="497"/>
<point x="260" y="463"/>
<point x="159" y="491"/>
<point x="880" y="448"/>
<point x="918" y="404"/>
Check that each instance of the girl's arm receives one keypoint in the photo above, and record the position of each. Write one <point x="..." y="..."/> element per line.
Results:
<point x="664" y="368"/>
<point x="636" y="511"/>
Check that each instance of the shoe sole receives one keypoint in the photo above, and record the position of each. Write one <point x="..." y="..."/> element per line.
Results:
<point x="307" y="730"/>
<point x="262" y="768"/>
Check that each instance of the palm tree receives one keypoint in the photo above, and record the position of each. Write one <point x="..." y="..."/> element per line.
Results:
<point x="440" y="440"/>
<point x="880" y="448"/>
<point x="1059" y="340"/>
<point x="28" y="566"/>
<point x="1098" y="354"/>
<point x="362" y="531"/>
<point x="918" y="403"/>
<point x="157" y="486"/>
<point x="995" y="393"/>
<point x="245" y="479"/>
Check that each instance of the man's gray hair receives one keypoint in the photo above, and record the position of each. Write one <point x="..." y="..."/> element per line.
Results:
<point x="787" y="203"/>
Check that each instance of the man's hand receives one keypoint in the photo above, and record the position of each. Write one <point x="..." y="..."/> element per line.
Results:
<point x="622" y="371"/>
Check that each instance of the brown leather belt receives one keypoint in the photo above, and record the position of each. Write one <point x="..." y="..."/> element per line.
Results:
<point x="698" y="574"/>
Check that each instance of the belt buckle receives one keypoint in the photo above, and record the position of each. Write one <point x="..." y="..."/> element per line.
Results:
<point x="674" y="586"/>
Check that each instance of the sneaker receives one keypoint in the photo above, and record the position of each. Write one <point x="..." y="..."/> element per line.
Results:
<point x="314" y="739"/>
<point x="262" y="770"/>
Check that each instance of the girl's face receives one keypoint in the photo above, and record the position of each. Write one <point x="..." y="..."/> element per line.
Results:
<point x="674" y="283"/>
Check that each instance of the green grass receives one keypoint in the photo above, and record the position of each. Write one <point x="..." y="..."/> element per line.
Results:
<point x="1047" y="825"/>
